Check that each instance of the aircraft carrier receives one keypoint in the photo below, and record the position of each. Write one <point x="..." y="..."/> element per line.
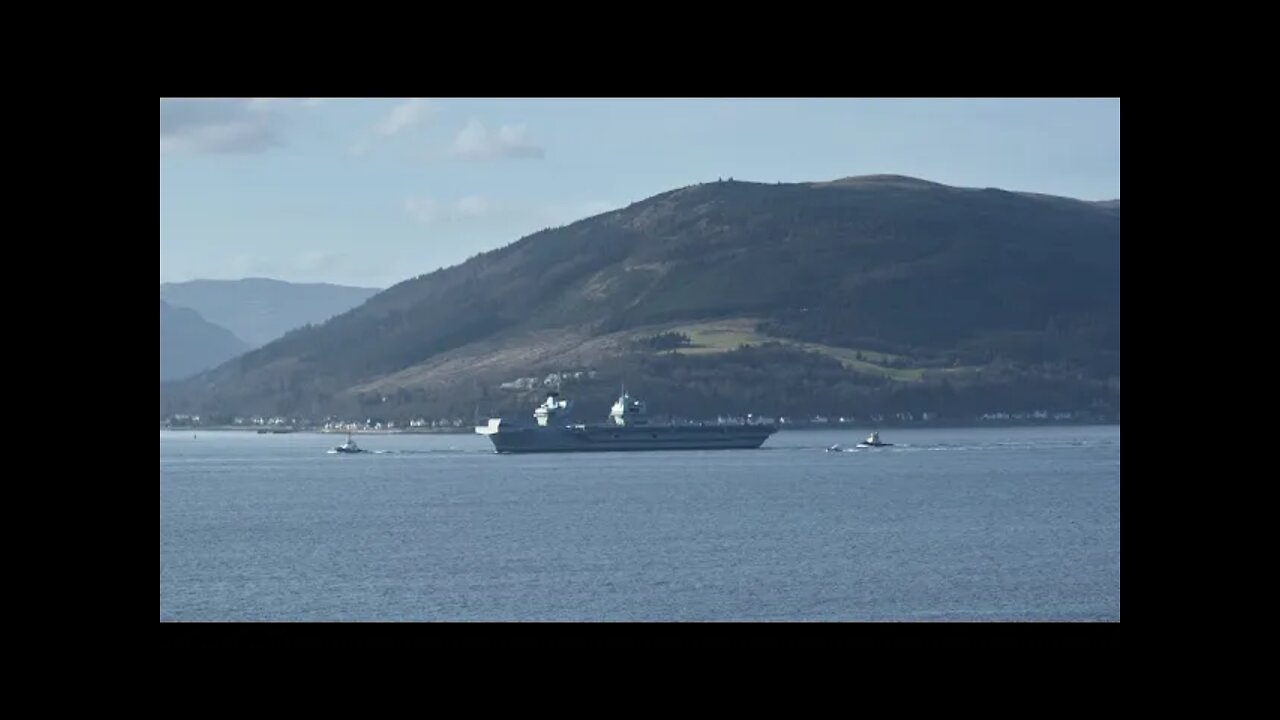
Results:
<point x="628" y="428"/>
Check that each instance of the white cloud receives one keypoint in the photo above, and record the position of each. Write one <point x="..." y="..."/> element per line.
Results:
<point x="228" y="137"/>
<point x="228" y="125"/>
<point x="475" y="141"/>
<point x="424" y="210"/>
<point x="215" y="126"/>
<point x="429" y="211"/>
<point x="260" y="104"/>
<point x="403" y="117"/>
<point x="472" y="206"/>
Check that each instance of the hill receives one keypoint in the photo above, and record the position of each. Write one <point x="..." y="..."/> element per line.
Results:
<point x="879" y="291"/>
<point x="189" y="343"/>
<point x="259" y="310"/>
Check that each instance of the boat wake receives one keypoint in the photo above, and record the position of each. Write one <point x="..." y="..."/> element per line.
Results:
<point x="449" y="451"/>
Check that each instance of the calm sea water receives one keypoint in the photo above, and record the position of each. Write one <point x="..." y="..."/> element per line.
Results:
<point x="954" y="524"/>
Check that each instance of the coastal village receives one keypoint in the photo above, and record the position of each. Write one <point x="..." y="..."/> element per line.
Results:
<point x="460" y="425"/>
<point x="557" y="380"/>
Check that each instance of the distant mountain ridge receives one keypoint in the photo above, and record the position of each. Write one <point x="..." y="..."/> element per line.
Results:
<point x="864" y="292"/>
<point x="259" y="310"/>
<point x="189" y="343"/>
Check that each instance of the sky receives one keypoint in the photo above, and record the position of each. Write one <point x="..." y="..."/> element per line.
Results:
<point x="371" y="192"/>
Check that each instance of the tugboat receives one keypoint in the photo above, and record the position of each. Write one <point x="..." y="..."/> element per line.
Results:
<point x="873" y="441"/>
<point x="628" y="427"/>
<point x="348" y="447"/>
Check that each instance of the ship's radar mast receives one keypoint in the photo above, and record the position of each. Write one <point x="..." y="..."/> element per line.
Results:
<point x="628" y="411"/>
<point x="552" y="407"/>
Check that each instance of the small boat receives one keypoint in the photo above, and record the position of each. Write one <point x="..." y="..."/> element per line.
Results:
<point x="873" y="441"/>
<point x="349" y="446"/>
<point x="835" y="448"/>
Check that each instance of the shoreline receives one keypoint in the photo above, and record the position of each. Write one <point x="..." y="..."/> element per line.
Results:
<point x="848" y="427"/>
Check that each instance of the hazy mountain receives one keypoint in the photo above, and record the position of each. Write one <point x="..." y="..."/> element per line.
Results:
<point x="189" y="343"/>
<point x="258" y="310"/>
<point x="862" y="294"/>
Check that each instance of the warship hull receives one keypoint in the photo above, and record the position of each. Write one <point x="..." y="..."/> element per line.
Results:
<point x="614" y="439"/>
